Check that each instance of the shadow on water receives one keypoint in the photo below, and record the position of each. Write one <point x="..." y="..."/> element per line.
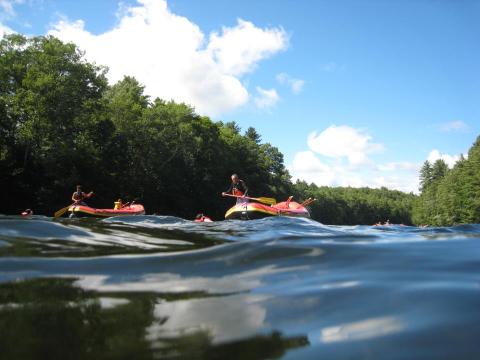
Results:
<point x="51" y="318"/>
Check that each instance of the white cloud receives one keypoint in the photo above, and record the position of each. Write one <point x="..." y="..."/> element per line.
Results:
<point x="338" y="153"/>
<point x="7" y="7"/>
<point x="296" y="85"/>
<point x="237" y="50"/>
<point x="7" y="12"/>
<point x="401" y="165"/>
<point x="309" y="167"/>
<point x="344" y="141"/>
<point x="5" y="30"/>
<point x="266" y="98"/>
<point x="454" y="126"/>
<point x="435" y="155"/>
<point x="171" y="57"/>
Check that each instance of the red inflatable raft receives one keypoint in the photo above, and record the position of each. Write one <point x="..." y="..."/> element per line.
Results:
<point x="84" y="210"/>
<point x="254" y="210"/>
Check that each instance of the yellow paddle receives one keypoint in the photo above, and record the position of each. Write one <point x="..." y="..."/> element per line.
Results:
<point x="264" y="200"/>
<point x="61" y="211"/>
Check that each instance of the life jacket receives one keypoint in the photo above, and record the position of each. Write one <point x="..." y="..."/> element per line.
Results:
<point x="236" y="191"/>
<point x="27" y="212"/>
<point x="204" y="219"/>
<point x="78" y="195"/>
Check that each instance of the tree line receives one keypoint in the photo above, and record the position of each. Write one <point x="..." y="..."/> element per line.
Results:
<point x="450" y="196"/>
<point x="62" y="124"/>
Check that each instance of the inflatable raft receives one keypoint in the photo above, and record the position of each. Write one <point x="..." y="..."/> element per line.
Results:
<point x="254" y="210"/>
<point x="85" y="210"/>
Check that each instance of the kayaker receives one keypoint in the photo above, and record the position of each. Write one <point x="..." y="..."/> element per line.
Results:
<point x="237" y="188"/>
<point x="27" y="212"/>
<point x="117" y="204"/>
<point x="78" y="196"/>
<point x="202" y="218"/>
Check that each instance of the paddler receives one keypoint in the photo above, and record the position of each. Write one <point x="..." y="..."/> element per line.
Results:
<point x="117" y="205"/>
<point x="202" y="218"/>
<point x="78" y="196"/>
<point x="27" y="212"/>
<point x="237" y="188"/>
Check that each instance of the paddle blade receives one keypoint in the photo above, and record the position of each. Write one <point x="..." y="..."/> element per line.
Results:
<point x="61" y="211"/>
<point x="265" y="200"/>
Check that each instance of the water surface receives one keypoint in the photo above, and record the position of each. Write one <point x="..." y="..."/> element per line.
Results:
<point x="151" y="287"/>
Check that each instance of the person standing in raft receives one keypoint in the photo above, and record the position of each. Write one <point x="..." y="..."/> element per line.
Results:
<point x="237" y="188"/>
<point x="78" y="196"/>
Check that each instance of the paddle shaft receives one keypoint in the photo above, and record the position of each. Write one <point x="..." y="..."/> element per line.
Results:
<point x="262" y="200"/>
<point x="62" y="211"/>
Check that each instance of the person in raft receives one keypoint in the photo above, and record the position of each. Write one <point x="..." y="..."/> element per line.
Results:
<point x="238" y="188"/>
<point x="27" y="212"/>
<point x="117" y="205"/>
<point x="78" y="196"/>
<point x="202" y="218"/>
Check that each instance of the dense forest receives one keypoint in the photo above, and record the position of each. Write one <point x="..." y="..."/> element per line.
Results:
<point x="62" y="124"/>
<point x="450" y="196"/>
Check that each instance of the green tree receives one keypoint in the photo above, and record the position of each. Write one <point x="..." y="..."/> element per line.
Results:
<point x="50" y="105"/>
<point x="425" y="175"/>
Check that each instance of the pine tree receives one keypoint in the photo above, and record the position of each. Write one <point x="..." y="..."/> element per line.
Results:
<point x="425" y="176"/>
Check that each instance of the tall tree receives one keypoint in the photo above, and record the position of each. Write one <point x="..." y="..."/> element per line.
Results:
<point x="253" y="135"/>
<point x="425" y="176"/>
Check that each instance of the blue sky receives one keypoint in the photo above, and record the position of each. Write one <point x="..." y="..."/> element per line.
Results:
<point x="354" y="93"/>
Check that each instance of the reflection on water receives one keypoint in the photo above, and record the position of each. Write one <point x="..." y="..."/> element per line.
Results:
<point x="361" y="330"/>
<point x="223" y="318"/>
<point x="170" y="282"/>
<point x="53" y="319"/>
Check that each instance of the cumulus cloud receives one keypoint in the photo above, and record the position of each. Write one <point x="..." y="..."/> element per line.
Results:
<point x="335" y="157"/>
<point x="308" y="166"/>
<point x="237" y="50"/>
<point x="454" y="126"/>
<point x="171" y="56"/>
<point x="296" y="85"/>
<point x="4" y="30"/>
<point x="266" y="98"/>
<point x="344" y="142"/>
<point x="450" y="160"/>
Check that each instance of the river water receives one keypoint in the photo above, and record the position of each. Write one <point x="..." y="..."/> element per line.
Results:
<point x="151" y="287"/>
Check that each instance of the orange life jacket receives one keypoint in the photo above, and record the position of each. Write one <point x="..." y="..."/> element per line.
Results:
<point x="237" y="192"/>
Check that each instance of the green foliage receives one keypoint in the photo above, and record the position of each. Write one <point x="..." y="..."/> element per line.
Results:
<point x="452" y="196"/>
<point x="61" y="125"/>
<point x="352" y="206"/>
<point x="50" y="101"/>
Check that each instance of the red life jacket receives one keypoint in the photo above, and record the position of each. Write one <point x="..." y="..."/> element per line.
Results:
<point x="237" y="192"/>
<point x="204" y="219"/>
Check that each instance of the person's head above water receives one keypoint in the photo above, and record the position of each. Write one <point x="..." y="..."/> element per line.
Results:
<point x="79" y="187"/>
<point x="235" y="178"/>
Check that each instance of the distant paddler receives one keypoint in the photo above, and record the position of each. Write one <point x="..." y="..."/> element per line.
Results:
<point x="79" y="196"/>
<point x="202" y="218"/>
<point x="27" y="212"/>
